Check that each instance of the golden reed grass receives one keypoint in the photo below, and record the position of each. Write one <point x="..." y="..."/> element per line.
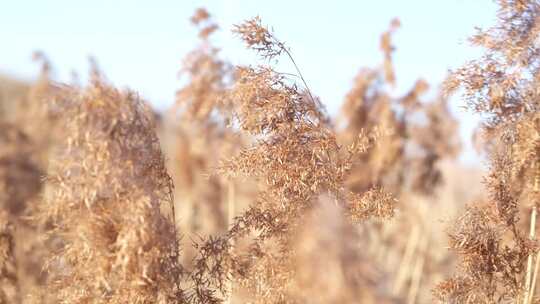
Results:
<point x="269" y="199"/>
<point x="497" y="240"/>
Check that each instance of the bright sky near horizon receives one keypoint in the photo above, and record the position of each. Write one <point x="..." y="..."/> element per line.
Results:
<point x="140" y="44"/>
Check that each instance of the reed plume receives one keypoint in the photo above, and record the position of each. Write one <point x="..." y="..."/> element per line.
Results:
<point x="497" y="246"/>
<point x="106" y="198"/>
<point x="295" y="156"/>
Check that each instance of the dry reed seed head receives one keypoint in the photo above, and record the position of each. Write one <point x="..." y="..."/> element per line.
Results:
<point x="500" y="85"/>
<point x="490" y="261"/>
<point x="475" y="231"/>
<point x="294" y="166"/>
<point x="492" y="250"/>
<point x="265" y="102"/>
<point x="374" y="114"/>
<point x="387" y="48"/>
<point x="459" y="290"/>
<point x="200" y="15"/>
<point x="263" y="273"/>
<point x="412" y="148"/>
<point x="503" y="85"/>
<point x="411" y="101"/>
<point x="526" y="151"/>
<point x="257" y="37"/>
<point x="202" y="19"/>
<point x="208" y="76"/>
<point x="357" y="97"/>
<point x="375" y="203"/>
<point x="498" y="82"/>
<point x="293" y="153"/>
<point x="502" y="191"/>
<point x="110" y="160"/>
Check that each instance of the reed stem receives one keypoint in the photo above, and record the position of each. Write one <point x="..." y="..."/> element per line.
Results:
<point x="231" y="204"/>
<point x="530" y="258"/>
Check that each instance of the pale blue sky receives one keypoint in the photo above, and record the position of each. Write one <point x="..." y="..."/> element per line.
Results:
<point x="140" y="44"/>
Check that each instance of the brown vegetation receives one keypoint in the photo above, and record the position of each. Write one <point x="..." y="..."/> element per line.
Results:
<point x="269" y="198"/>
<point x="496" y="240"/>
